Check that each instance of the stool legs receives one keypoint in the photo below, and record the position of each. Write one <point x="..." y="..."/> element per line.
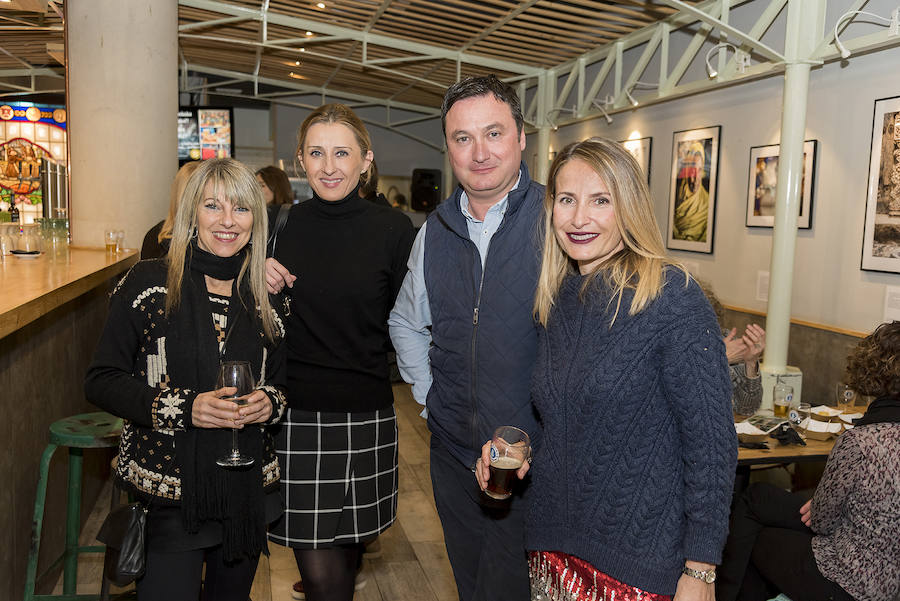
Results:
<point x="37" y="522"/>
<point x="73" y="521"/>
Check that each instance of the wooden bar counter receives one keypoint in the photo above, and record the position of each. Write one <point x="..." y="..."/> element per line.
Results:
<point x="52" y="311"/>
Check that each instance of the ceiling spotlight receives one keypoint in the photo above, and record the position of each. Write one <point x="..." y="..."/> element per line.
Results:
<point x="631" y="98"/>
<point x="718" y="48"/>
<point x="303" y="50"/>
<point x="320" y="5"/>
<point x="596" y="103"/>
<point x="309" y="33"/>
<point x="297" y="62"/>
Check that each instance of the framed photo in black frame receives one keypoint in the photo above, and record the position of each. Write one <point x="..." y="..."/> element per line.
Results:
<point x="881" y="233"/>
<point x="763" y="181"/>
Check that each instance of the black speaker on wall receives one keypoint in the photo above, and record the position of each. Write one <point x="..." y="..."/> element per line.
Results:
<point x="425" y="189"/>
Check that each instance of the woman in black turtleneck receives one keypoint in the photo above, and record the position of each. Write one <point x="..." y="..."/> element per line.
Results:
<point x="341" y="259"/>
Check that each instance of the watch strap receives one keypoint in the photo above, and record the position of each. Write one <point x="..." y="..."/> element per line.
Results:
<point x="707" y="576"/>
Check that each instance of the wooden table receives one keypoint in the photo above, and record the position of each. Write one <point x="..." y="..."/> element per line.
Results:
<point x="815" y="450"/>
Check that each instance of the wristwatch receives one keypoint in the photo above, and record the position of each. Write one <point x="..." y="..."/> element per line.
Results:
<point x="707" y="576"/>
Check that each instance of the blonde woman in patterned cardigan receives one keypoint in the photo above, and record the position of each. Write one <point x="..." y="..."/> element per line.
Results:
<point x="845" y="542"/>
<point x="171" y="321"/>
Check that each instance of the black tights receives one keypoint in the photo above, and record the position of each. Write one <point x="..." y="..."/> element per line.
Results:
<point x="328" y="574"/>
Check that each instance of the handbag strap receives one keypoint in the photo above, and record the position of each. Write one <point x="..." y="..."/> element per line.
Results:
<point x="280" y="221"/>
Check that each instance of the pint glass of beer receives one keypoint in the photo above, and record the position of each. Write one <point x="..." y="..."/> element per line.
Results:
<point x="510" y="447"/>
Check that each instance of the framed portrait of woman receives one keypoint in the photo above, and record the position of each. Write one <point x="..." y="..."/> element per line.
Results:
<point x="693" y="185"/>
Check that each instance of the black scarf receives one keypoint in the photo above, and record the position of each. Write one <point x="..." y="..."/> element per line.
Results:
<point x="230" y="496"/>
<point x="884" y="409"/>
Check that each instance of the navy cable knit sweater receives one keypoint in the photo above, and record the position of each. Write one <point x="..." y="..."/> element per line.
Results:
<point x="636" y="470"/>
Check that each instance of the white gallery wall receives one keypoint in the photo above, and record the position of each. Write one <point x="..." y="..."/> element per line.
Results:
<point x="829" y="287"/>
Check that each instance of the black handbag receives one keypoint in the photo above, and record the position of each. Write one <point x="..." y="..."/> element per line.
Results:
<point x="124" y="532"/>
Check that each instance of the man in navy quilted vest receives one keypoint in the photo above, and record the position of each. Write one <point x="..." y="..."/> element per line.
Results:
<point x="464" y="334"/>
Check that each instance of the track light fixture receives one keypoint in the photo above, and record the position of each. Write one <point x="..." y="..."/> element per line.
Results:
<point x="602" y="108"/>
<point x="742" y="58"/>
<point x="631" y="98"/>
<point x="893" y="23"/>
<point x="556" y="111"/>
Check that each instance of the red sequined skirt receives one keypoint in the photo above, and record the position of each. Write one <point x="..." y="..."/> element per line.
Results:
<point x="557" y="576"/>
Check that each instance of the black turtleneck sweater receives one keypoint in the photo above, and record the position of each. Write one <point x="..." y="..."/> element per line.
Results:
<point x="349" y="257"/>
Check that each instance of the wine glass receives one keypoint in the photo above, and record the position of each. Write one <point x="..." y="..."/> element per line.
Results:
<point x="238" y="375"/>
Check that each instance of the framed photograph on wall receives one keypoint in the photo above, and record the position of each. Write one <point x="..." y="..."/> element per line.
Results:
<point x="692" y="195"/>
<point x="640" y="149"/>
<point x="764" y="180"/>
<point x="881" y="234"/>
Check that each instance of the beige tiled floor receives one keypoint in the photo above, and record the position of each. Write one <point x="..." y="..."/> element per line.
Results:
<point x="413" y="565"/>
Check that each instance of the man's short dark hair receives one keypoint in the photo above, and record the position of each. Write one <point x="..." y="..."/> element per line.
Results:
<point x="471" y="87"/>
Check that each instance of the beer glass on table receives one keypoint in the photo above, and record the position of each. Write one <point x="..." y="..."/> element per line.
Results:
<point x="845" y="397"/>
<point x="510" y="448"/>
<point x="782" y="397"/>
<point x="236" y="374"/>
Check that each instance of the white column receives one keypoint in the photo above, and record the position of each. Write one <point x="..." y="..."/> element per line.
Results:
<point x="542" y="121"/>
<point x="122" y="100"/>
<point x="803" y="30"/>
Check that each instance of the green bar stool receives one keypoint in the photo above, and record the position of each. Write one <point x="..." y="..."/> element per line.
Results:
<point x="79" y="432"/>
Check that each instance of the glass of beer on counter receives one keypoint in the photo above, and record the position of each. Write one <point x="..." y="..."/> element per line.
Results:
<point x="510" y="448"/>
<point x="111" y="240"/>
<point x="782" y="397"/>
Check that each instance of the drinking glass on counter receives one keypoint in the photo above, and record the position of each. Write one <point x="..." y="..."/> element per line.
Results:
<point x="110" y="240"/>
<point x="845" y="397"/>
<point x="798" y="416"/>
<point x="782" y="397"/>
<point x="510" y="448"/>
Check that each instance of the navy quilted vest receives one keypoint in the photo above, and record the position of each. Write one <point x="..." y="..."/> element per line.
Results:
<point x="482" y="362"/>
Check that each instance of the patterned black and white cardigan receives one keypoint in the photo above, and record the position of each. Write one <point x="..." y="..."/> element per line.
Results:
<point x="129" y="377"/>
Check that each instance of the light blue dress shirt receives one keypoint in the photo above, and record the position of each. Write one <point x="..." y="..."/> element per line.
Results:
<point x="410" y="319"/>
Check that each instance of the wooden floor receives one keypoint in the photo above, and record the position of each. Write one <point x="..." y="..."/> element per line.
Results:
<point x="413" y="565"/>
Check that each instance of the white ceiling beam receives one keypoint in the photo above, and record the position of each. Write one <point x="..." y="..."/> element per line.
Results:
<point x="212" y="23"/>
<point x="338" y="59"/>
<point x="755" y="44"/>
<point x="23" y="62"/>
<point x="365" y="37"/>
<point x="39" y="72"/>
<point x="308" y="89"/>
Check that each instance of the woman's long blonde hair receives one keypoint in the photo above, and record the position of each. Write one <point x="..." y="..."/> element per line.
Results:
<point x="181" y="178"/>
<point x="237" y="183"/>
<point x="639" y="265"/>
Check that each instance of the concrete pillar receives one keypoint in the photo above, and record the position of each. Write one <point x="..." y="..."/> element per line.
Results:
<point x="804" y="29"/>
<point x="122" y="102"/>
<point x="545" y="94"/>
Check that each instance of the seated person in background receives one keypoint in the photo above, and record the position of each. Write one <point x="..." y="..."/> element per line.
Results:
<point x="276" y="189"/>
<point x="156" y="240"/>
<point x="743" y="359"/>
<point x="845" y="542"/>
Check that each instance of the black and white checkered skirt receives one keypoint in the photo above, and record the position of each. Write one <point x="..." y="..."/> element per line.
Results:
<point x="338" y="477"/>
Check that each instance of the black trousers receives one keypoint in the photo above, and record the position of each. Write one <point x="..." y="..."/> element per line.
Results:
<point x="769" y="551"/>
<point x="485" y="538"/>
<point x="176" y="576"/>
